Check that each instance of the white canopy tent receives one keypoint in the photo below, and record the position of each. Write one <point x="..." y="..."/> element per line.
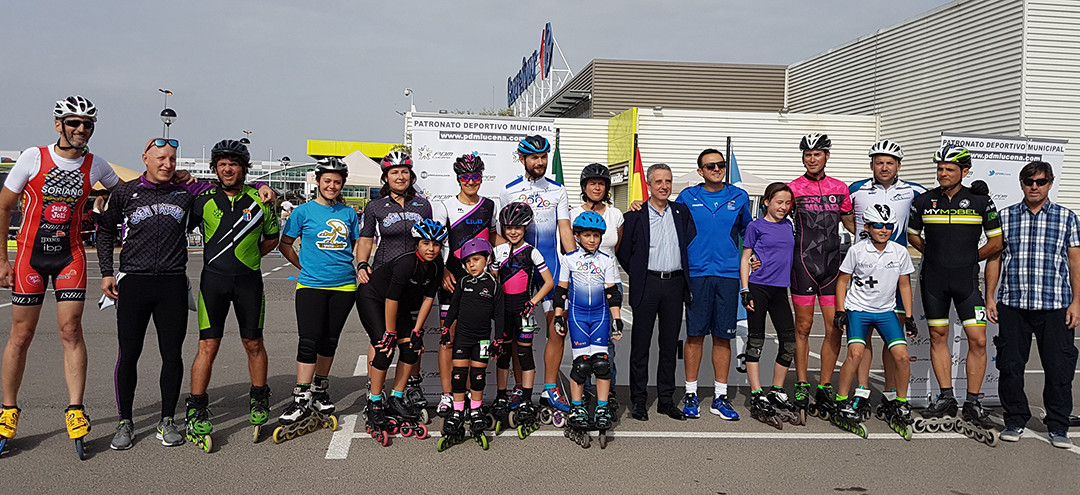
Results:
<point x="363" y="171"/>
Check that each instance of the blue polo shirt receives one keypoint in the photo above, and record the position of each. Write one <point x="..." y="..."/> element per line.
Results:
<point x="721" y="218"/>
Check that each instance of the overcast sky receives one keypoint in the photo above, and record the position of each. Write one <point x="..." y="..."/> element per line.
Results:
<point x="292" y="71"/>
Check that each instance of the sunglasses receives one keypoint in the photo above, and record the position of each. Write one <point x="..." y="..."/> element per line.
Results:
<point x="161" y="142"/>
<point x="471" y="177"/>
<point x="879" y="225"/>
<point x="1030" y="182"/>
<point x="714" y="165"/>
<point x="76" y="123"/>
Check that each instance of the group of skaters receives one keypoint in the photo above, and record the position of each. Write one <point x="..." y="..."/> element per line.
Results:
<point x="505" y="270"/>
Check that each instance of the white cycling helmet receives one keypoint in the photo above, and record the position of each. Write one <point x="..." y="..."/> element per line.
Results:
<point x="75" y="106"/>
<point x="878" y="213"/>
<point x="886" y="147"/>
<point x="815" y="141"/>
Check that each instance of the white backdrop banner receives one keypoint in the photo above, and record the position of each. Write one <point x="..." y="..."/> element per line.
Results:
<point x="438" y="140"/>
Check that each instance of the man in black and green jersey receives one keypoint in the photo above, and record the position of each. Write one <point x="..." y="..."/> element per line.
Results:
<point x="238" y="230"/>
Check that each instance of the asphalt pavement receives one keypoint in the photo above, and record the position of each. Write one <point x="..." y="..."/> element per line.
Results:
<point x="706" y="455"/>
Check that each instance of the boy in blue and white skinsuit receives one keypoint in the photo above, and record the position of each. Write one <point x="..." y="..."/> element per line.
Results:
<point x="587" y="304"/>
<point x="870" y="275"/>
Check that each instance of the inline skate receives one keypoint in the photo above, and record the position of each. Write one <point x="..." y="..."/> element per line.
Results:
<point x="500" y="410"/>
<point x="802" y="400"/>
<point x="897" y="414"/>
<point x="414" y="395"/>
<point x="602" y="421"/>
<point x="939" y="416"/>
<point x="783" y="407"/>
<point x="300" y="418"/>
<point x="404" y="419"/>
<point x="78" y="426"/>
<point x="975" y="423"/>
<point x="578" y="426"/>
<point x="479" y="421"/>
<point x="453" y="431"/>
<point x="844" y="415"/>
<point x="526" y="418"/>
<point x="9" y="424"/>
<point x="555" y="409"/>
<point x="258" y="409"/>
<point x="762" y="410"/>
<point x="823" y="402"/>
<point x="375" y="422"/>
<point x="199" y="426"/>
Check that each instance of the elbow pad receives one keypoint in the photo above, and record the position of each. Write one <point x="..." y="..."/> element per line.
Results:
<point x="559" y="300"/>
<point x="614" y="297"/>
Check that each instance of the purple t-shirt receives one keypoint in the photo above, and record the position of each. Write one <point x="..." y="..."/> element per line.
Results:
<point x="774" y="245"/>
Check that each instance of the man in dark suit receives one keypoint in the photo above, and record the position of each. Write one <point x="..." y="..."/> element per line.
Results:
<point x="653" y="252"/>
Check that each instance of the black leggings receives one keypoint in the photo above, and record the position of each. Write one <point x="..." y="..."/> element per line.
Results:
<point x="320" y="316"/>
<point x="774" y="301"/>
<point x="165" y="298"/>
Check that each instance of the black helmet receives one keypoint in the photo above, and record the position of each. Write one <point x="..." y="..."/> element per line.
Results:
<point x="595" y="171"/>
<point x="468" y="164"/>
<point x="516" y="214"/>
<point x="331" y="164"/>
<point x="815" y="141"/>
<point x="228" y="148"/>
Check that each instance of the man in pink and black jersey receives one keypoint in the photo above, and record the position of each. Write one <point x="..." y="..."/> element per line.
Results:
<point x="821" y="204"/>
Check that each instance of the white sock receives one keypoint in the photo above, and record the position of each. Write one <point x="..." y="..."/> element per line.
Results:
<point x="721" y="388"/>
<point x="691" y="387"/>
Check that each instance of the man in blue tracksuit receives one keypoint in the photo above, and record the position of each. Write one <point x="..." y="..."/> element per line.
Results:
<point x="721" y="213"/>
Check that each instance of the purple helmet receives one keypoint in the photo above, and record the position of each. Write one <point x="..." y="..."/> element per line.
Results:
<point x="468" y="164"/>
<point x="476" y="245"/>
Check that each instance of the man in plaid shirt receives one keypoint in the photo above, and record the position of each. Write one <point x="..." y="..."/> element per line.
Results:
<point x="1039" y="271"/>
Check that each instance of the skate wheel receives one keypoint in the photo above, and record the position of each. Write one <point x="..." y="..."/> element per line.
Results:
<point x="860" y="430"/>
<point x="490" y="422"/>
<point x="603" y="440"/>
<point x="824" y="415"/>
<point x="442" y="444"/>
<point x="932" y="427"/>
<point x="498" y="427"/>
<point x="332" y="423"/>
<point x="511" y="419"/>
<point x="207" y="444"/>
<point x="545" y="416"/>
<point x="906" y="432"/>
<point x="522" y="432"/>
<point x="919" y="425"/>
<point x="279" y="435"/>
<point x="992" y="438"/>
<point x="78" y="448"/>
<point x="384" y="439"/>
<point x="406" y="432"/>
<point x="421" y="432"/>
<point x="558" y="420"/>
<point x="255" y="433"/>
<point x="779" y="424"/>
<point x="482" y="440"/>
<point x="586" y="440"/>
<point x="393" y="426"/>
<point x="425" y="417"/>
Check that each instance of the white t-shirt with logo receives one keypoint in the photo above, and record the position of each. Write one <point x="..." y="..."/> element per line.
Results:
<point x="614" y="219"/>
<point x="874" y="276"/>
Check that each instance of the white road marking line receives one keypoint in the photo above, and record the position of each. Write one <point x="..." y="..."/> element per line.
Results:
<point x="361" y="366"/>
<point x="1043" y="438"/>
<point x="265" y="274"/>
<point x="277" y="268"/>
<point x="5" y="305"/>
<point x="342" y="438"/>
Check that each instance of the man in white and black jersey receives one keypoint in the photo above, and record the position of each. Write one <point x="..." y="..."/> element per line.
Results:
<point x="550" y="234"/>
<point x="884" y="187"/>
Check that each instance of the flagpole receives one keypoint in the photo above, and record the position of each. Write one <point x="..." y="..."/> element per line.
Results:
<point x="727" y="157"/>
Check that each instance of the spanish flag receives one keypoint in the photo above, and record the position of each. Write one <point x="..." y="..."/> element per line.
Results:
<point x="639" y="188"/>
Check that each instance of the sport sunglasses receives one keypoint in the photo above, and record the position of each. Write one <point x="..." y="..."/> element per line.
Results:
<point x="161" y="142"/>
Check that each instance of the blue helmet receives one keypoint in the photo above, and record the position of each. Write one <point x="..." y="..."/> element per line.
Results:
<point x="429" y="229"/>
<point x="589" y="220"/>
<point x="533" y="144"/>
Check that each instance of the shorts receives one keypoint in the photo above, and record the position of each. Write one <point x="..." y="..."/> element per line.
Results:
<point x="590" y="329"/>
<point x="805" y="286"/>
<point x="956" y="286"/>
<point x="245" y="292"/>
<point x="32" y="272"/>
<point x="860" y="322"/>
<point x="471" y="348"/>
<point x="713" y="308"/>
<point x="373" y="318"/>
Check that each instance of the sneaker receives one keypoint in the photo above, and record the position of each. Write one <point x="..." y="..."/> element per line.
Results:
<point x="446" y="403"/>
<point x="721" y="406"/>
<point x="1012" y="434"/>
<point x="125" y="435"/>
<point x="167" y="433"/>
<point x="690" y="406"/>
<point x="1060" y="439"/>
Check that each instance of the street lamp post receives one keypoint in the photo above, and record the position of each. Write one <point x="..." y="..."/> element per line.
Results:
<point x="168" y="115"/>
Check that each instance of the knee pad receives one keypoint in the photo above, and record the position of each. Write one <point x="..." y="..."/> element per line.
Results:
<point x="478" y="379"/>
<point x="581" y="370"/>
<point x="753" y="349"/>
<point x="601" y="366"/>
<point x="503" y="363"/>
<point x="459" y="380"/>
<point x="305" y="352"/>
<point x="525" y="357"/>
<point x="382" y="361"/>
<point x="328" y="346"/>
<point x="786" y="354"/>
<point x="408" y="355"/>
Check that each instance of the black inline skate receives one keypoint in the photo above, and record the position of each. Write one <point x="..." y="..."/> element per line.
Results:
<point x="844" y="414"/>
<point x="602" y="421"/>
<point x="414" y="395"/>
<point x="299" y="418"/>
<point x="864" y="409"/>
<point x="375" y="422"/>
<point x="577" y="426"/>
<point x="939" y="416"/>
<point x="975" y="423"/>
<point x="762" y="410"/>
<point x="823" y="402"/>
<point x="897" y="415"/>
<point x="526" y="418"/>
<point x="404" y="419"/>
<point x="478" y="422"/>
<point x="500" y="410"/>
<point x="787" y="411"/>
<point x="882" y="410"/>
<point x="802" y="401"/>
<point x="453" y="431"/>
